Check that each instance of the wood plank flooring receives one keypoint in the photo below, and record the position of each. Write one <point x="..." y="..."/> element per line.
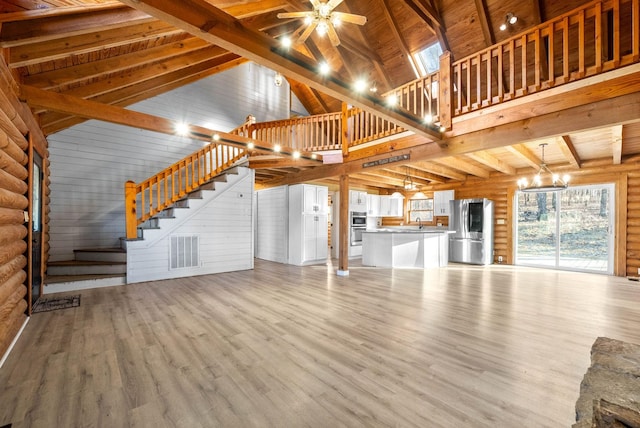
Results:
<point x="285" y="346"/>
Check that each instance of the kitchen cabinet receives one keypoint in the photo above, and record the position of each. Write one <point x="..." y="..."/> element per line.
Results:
<point x="390" y="206"/>
<point x="315" y="199"/>
<point x="357" y="201"/>
<point x="441" y="202"/>
<point x="373" y="205"/>
<point x="308" y="224"/>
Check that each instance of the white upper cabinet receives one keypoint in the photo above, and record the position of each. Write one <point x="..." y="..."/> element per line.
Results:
<point x="315" y="199"/>
<point x="441" y="202"/>
<point x="357" y="201"/>
<point x="373" y="205"/>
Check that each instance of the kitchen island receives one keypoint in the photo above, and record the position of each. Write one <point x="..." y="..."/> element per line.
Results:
<point x="406" y="247"/>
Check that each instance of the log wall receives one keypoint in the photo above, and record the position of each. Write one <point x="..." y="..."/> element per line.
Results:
<point x="18" y="129"/>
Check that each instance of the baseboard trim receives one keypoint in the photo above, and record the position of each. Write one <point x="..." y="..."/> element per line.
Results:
<point x="13" y="342"/>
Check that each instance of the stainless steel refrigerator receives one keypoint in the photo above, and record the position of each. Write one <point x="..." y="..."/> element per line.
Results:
<point x="472" y="222"/>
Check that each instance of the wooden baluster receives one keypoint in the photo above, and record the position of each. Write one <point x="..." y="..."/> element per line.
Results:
<point x="489" y="76"/>
<point x="565" y="50"/>
<point x="551" y="55"/>
<point x="616" y="33"/>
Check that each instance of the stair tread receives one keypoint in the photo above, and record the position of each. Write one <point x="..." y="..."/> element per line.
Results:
<point x="84" y="263"/>
<point x="55" y="279"/>
<point x="102" y="250"/>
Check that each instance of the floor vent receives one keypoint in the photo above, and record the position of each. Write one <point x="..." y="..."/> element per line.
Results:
<point x="184" y="251"/>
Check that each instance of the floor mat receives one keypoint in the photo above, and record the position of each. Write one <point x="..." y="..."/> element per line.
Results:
<point x="45" y="305"/>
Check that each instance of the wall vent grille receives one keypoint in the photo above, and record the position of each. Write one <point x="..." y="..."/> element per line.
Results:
<point x="184" y="251"/>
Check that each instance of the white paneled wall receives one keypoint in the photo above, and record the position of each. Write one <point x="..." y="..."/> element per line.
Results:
<point x="91" y="162"/>
<point x="272" y="224"/>
<point x="223" y="227"/>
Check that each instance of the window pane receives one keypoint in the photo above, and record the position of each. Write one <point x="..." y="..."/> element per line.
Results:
<point x="537" y="229"/>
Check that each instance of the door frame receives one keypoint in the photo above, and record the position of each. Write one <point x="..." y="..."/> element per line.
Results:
<point x="613" y="230"/>
<point x="32" y="153"/>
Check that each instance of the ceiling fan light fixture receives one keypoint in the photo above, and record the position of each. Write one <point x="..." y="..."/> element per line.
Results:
<point x="510" y="19"/>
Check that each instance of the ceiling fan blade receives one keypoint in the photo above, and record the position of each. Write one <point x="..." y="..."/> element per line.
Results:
<point x="333" y="3"/>
<point x="351" y="18"/>
<point x="315" y="4"/>
<point x="307" y="32"/>
<point x="333" y="36"/>
<point x="294" y="14"/>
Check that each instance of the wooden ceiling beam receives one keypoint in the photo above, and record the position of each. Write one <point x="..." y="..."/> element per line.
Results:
<point x="491" y="161"/>
<point x="569" y="151"/>
<point x="431" y="17"/>
<point x="49" y="50"/>
<point x="524" y="153"/>
<point x="465" y="166"/>
<point x="616" y="144"/>
<point x="86" y="71"/>
<point x="212" y="24"/>
<point x="417" y="173"/>
<point x="481" y="8"/>
<point x="365" y="180"/>
<point x="82" y="21"/>
<point x="280" y="163"/>
<point x="254" y="8"/>
<point x="439" y="170"/>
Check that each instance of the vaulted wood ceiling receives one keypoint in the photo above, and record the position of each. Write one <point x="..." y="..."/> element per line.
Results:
<point x="119" y="53"/>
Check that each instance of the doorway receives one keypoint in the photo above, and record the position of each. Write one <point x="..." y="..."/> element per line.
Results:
<point x="569" y="230"/>
<point x="35" y="234"/>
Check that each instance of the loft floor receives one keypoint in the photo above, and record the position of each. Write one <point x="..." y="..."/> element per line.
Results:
<point x="281" y="345"/>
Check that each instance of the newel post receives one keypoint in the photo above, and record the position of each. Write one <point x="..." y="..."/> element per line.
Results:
<point x="445" y="91"/>
<point x="130" y="214"/>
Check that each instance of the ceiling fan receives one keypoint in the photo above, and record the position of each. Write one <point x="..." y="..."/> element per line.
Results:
<point x="323" y="19"/>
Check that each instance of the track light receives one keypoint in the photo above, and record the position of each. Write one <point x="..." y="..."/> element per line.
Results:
<point x="510" y="19"/>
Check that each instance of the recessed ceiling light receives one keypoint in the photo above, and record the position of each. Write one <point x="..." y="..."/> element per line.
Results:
<point x="250" y="145"/>
<point x="392" y="100"/>
<point x="182" y="128"/>
<point x="216" y="137"/>
<point x="314" y="156"/>
<point x="276" y="148"/>
<point x="360" y="85"/>
<point x="296" y="154"/>
<point x="324" y="68"/>
<point x="286" y="42"/>
<point x="428" y="118"/>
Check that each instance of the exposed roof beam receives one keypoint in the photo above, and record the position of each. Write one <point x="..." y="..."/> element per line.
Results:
<point x="279" y="163"/>
<point x="569" y="151"/>
<point x="417" y="173"/>
<point x="249" y="9"/>
<point x="481" y="8"/>
<point x="366" y="180"/>
<point x="83" y="20"/>
<point x="428" y="13"/>
<point x="86" y="71"/>
<point x="49" y="50"/>
<point x="465" y="166"/>
<point x="200" y="18"/>
<point x="524" y="153"/>
<point x="492" y="162"/>
<point x="616" y="144"/>
<point x="439" y="170"/>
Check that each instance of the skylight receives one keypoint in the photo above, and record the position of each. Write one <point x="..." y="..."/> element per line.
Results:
<point x="428" y="59"/>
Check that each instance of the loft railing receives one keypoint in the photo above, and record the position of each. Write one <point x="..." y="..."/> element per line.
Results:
<point x="149" y="197"/>
<point x="308" y="133"/>
<point x="598" y="37"/>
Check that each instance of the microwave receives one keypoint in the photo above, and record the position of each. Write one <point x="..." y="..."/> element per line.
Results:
<point x="358" y="219"/>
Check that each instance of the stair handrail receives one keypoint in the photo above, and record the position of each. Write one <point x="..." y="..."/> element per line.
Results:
<point x="149" y="197"/>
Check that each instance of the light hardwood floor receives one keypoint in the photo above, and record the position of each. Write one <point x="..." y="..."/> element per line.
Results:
<point x="285" y="346"/>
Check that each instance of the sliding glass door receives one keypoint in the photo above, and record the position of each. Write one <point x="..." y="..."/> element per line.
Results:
<point x="571" y="230"/>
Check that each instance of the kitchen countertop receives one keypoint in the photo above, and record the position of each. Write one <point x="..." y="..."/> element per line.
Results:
<point x="409" y="230"/>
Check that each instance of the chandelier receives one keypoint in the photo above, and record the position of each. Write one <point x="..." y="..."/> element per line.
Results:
<point x="544" y="180"/>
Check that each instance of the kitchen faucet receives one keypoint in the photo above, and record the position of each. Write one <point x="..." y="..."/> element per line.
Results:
<point x="419" y="222"/>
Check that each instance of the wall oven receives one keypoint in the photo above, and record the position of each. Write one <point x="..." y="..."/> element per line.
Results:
<point x="358" y="224"/>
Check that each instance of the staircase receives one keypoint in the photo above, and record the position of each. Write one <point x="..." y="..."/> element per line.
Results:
<point x="105" y="267"/>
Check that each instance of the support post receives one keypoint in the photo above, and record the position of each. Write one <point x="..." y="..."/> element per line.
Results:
<point x="343" y="255"/>
<point x="130" y="215"/>
<point x="445" y="91"/>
